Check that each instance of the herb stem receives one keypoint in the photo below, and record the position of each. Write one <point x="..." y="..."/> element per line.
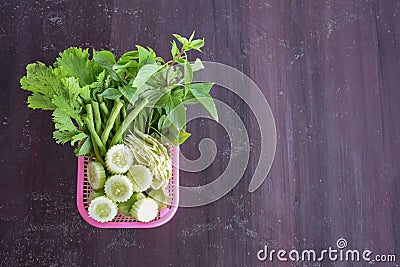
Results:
<point x="171" y="64"/>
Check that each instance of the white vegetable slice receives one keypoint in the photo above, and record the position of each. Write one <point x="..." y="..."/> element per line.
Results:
<point x="144" y="210"/>
<point x="157" y="183"/>
<point x="103" y="209"/>
<point x="126" y="206"/>
<point x="96" y="175"/>
<point x="141" y="177"/>
<point x="119" y="158"/>
<point x="119" y="188"/>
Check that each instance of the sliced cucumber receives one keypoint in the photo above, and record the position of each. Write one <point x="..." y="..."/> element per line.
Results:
<point x="103" y="209"/>
<point x="157" y="183"/>
<point x="95" y="194"/>
<point x="119" y="188"/>
<point x="119" y="158"/>
<point x="96" y="175"/>
<point x="161" y="196"/>
<point x="125" y="207"/>
<point x="141" y="177"/>
<point x="144" y="210"/>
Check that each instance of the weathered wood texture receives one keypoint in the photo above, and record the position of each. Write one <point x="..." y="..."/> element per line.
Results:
<point x="331" y="72"/>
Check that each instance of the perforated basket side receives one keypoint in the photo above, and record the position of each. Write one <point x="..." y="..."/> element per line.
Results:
<point x="120" y="221"/>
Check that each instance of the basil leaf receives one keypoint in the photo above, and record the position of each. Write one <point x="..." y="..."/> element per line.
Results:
<point x="174" y="49"/>
<point x="129" y="93"/>
<point x="85" y="149"/>
<point x="201" y="92"/>
<point x="188" y="76"/>
<point x="145" y="73"/>
<point x="197" y="65"/>
<point x="178" y="116"/>
<point x="145" y="57"/>
<point x="183" y="136"/>
<point x="104" y="59"/>
<point x="111" y="93"/>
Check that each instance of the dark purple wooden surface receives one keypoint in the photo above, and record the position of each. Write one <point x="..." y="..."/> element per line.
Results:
<point x="331" y="73"/>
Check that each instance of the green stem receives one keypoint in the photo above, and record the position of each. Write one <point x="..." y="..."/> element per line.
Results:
<point x="123" y="113"/>
<point x="149" y="120"/>
<point x="79" y="100"/>
<point x="97" y="117"/>
<point x="144" y="137"/>
<point x="95" y="137"/>
<point x="128" y="120"/>
<point x="97" y="153"/>
<point x="110" y="122"/>
<point x="117" y="121"/>
<point x="171" y="64"/>
<point x="99" y="98"/>
<point x="89" y="111"/>
<point x="104" y="110"/>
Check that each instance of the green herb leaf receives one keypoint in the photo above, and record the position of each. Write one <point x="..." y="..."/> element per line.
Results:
<point x="104" y="59"/>
<point x="197" y="65"/>
<point x="66" y="108"/>
<point x="191" y="36"/>
<point x="200" y="92"/>
<point x="39" y="101"/>
<point x="43" y="84"/>
<point x="76" y="63"/>
<point x="188" y="76"/>
<point x="183" y="136"/>
<point x="197" y="44"/>
<point x="78" y="138"/>
<point x="145" y="56"/>
<point x="66" y="131"/>
<point x="129" y="93"/>
<point x="63" y="137"/>
<point x="181" y="39"/>
<point x="63" y="122"/>
<point x="85" y="93"/>
<point x="111" y="93"/>
<point x="178" y="116"/>
<point x="85" y="149"/>
<point x="145" y="73"/>
<point x="174" y="49"/>
<point x="72" y="88"/>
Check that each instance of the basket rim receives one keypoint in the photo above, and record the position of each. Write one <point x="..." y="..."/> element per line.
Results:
<point x="166" y="213"/>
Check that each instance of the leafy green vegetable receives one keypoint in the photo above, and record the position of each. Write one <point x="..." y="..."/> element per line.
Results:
<point x="145" y="73"/>
<point x="200" y="91"/>
<point x="43" y="84"/>
<point x="104" y="58"/>
<point x="95" y="100"/>
<point x="76" y="63"/>
<point x="111" y="93"/>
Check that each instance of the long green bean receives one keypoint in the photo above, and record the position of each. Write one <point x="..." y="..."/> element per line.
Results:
<point x="128" y="120"/>
<point x="111" y="120"/>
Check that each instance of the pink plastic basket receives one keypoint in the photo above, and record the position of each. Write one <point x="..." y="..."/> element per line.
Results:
<point x="84" y="189"/>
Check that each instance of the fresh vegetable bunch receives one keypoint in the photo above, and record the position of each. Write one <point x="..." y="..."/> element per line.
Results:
<point x="95" y="101"/>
